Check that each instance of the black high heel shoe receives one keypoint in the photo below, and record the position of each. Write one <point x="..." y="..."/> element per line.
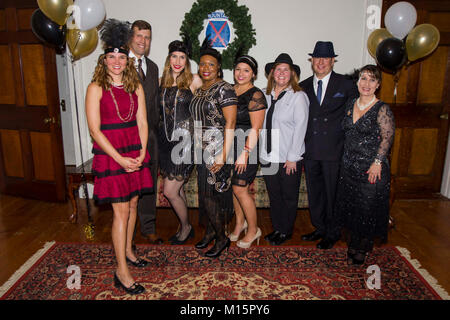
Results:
<point x="135" y="288"/>
<point x="216" y="251"/>
<point x="202" y="244"/>
<point x="139" y="263"/>
<point x="177" y="241"/>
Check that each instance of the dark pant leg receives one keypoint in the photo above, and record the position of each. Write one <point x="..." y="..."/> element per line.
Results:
<point x="147" y="203"/>
<point x="273" y="186"/>
<point x="315" y="185"/>
<point x="330" y="170"/>
<point x="290" y="186"/>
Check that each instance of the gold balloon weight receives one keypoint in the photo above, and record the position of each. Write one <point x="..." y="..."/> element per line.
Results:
<point x="89" y="231"/>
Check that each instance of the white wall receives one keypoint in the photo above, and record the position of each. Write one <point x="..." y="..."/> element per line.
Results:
<point x="291" y="26"/>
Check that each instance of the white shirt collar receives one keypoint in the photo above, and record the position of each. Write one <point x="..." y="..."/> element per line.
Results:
<point x="136" y="62"/>
<point x="324" y="80"/>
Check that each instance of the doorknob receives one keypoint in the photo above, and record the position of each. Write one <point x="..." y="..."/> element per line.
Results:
<point x="49" y="120"/>
<point x="444" y="116"/>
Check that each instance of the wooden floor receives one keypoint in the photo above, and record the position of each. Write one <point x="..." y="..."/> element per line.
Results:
<point x="422" y="227"/>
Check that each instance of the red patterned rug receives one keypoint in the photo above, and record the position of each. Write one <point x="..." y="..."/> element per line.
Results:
<point x="261" y="273"/>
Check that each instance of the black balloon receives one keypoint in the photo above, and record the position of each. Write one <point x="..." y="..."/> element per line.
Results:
<point x="391" y="54"/>
<point x="48" y="31"/>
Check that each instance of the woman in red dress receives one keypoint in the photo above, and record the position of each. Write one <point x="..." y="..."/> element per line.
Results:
<point x="117" y="120"/>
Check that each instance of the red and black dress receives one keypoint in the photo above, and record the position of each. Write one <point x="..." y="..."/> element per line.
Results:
<point x="118" y="123"/>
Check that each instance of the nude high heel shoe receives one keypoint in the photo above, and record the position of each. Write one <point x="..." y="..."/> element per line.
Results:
<point x="234" y="237"/>
<point x="246" y="245"/>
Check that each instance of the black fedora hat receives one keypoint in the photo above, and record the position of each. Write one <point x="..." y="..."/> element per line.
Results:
<point x="323" y="49"/>
<point x="283" y="58"/>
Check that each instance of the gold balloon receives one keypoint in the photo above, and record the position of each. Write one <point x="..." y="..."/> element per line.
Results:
<point x="421" y="41"/>
<point x="55" y="10"/>
<point x="375" y="38"/>
<point x="81" y="43"/>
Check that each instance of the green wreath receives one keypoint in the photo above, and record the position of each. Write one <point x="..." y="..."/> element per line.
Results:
<point x="238" y="15"/>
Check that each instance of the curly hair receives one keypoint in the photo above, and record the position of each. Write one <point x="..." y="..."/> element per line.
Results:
<point x="102" y="78"/>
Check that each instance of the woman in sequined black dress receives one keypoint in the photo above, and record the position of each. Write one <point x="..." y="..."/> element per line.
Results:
<point x="176" y="132"/>
<point x="213" y="109"/>
<point x="364" y="184"/>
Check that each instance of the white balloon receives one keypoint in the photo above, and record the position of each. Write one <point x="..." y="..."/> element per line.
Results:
<point x="88" y="14"/>
<point x="400" y="18"/>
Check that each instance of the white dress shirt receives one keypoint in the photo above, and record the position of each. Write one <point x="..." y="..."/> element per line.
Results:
<point x="325" y="81"/>
<point x="136" y="62"/>
<point x="289" y="123"/>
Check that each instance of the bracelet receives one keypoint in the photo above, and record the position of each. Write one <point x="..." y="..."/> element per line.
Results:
<point x="246" y="149"/>
<point x="377" y="162"/>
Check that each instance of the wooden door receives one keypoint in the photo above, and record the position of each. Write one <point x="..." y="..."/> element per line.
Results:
<point x="31" y="151"/>
<point x="421" y="108"/>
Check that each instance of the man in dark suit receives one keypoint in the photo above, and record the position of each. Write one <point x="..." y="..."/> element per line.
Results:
<point x="148" y="75"/>
<point x="324" y="141"/>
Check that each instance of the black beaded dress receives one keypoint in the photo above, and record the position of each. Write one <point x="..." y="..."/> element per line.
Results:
<point x="362" y="207"/>
<point x="176" y="130"/>
<point x="214" y="190"/>
<point x="250" y="101"/>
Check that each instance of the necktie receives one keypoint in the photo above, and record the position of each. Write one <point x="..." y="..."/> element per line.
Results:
<point x="140" y="71"/>
<point x="319" y="91"/>
<point x="269" y="121"/>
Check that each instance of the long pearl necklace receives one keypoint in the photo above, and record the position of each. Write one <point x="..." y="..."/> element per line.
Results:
<point x="174" y="113"/>
<point x="364" y="106"/>
<point x="129" y="116"/>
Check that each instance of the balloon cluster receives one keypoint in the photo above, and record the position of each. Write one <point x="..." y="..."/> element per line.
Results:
<point x="401" y="42"/>
<point x="58" y="22"/>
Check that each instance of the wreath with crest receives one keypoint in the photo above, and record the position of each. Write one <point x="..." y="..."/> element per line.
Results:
<point x="244" y="39"/>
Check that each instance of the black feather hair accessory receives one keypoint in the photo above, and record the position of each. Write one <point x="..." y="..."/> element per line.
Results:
<point x="207" y="49"/>
<point x="115" y="35"/>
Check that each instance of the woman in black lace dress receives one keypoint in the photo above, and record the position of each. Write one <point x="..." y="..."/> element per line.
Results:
<point x="364" y="184"/>
<point x="213" y="109"/>
<point x="175" y="133"/>
<point x="252" y="107"/>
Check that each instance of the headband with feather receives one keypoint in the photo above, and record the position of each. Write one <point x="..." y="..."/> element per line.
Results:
<point x="115" y="35"/>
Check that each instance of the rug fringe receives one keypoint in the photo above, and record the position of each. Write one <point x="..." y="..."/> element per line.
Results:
<point x="425" y="274"/>
<point x="24" y="268"/>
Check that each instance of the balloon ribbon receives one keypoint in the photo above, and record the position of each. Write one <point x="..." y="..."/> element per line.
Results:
<point x="89" y="228"/>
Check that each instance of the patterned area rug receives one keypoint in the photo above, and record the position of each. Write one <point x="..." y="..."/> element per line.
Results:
<point x="261" y="273"/>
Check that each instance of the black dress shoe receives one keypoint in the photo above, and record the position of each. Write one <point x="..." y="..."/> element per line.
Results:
<point x="326" y="244"/>
<point x="154" y="239"/>
<point x="313" y="236"/>
<point x="359" y="257"/>
<point x="139" y="263"/>
<point x="272" y="236"/>
<point x="280" y="239"/>
<point x="177" y="241"/>
<point x="135" y="288"/>
<point x="202" y="244"/>
<point x="216" y="251"/>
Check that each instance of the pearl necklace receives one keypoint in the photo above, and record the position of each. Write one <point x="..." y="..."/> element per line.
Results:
<point x="364" y="106"/>
<point x="174" y="113"/>
<point x="130" y="112"/>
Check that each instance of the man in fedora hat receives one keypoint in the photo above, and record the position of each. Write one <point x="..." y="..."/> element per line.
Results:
<point x="327" y="92"/>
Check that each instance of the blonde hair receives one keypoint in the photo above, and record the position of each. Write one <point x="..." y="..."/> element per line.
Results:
<point x="184" y="79"/>
<point x="102" y="78"/>
<point x="293" y="81"/>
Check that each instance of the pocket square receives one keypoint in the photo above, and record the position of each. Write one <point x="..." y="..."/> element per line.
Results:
<point x="338" y="95"/>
